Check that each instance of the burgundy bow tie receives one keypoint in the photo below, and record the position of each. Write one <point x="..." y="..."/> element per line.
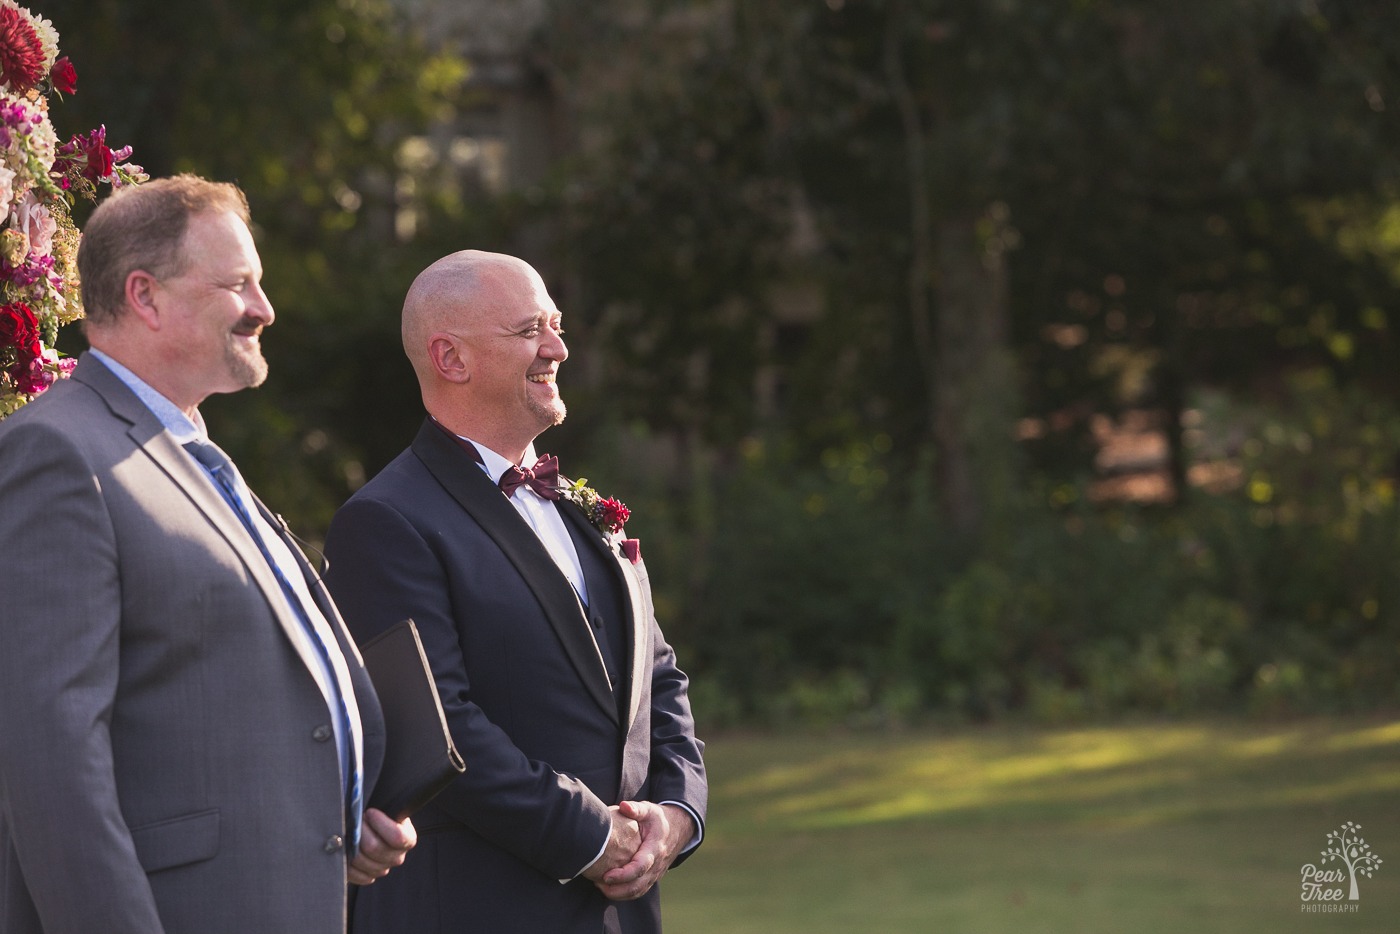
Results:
<point x="543" y="478"/>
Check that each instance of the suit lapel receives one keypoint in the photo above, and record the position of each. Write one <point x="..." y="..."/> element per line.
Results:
<point x="371" y="717"/>
<point x="150" y="436"/>
<point x="347" y="668"/>
<point x="637" y="622"/>
<point x="468" y="484"/>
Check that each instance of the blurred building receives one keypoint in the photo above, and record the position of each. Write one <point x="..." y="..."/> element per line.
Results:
<point x="510" y="130"/>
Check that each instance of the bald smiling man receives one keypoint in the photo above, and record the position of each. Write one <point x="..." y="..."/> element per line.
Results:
<point x="585" y="782"/>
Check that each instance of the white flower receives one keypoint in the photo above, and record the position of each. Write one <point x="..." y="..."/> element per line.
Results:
<point x="7" y="192"/>
<point x="48" y="37"/>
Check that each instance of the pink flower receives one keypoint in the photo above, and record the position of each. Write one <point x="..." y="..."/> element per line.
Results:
<point x="64" y="76"/>
<point x="36" y="221"/>
<point x="35" y="379"/>
<point x="44" y="371"/>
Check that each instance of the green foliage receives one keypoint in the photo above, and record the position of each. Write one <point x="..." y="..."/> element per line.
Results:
<point x="673" y="214"/>
<point x="1196" y="203"/>
<point x="825" y="595"/>
<point x="1195" y="200"/>
<point x="1187" y="193"/>
<point x="305" y="106"/>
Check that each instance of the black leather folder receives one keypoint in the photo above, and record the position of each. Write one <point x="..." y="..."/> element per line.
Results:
<point x="420" y="759"/>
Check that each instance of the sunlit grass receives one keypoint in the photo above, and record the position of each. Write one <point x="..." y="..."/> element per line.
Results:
<point x="1146" y="828"/>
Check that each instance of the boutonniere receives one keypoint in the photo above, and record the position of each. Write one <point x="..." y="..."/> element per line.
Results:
<point x="607" y="514"/>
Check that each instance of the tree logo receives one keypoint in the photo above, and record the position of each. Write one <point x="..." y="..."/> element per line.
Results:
<point x="1322" y="887"/>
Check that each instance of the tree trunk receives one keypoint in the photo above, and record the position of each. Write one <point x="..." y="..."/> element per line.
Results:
<point x="974" y="377"/>
<point x="960" y="341"/>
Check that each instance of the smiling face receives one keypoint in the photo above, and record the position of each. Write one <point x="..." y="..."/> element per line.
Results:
<point x="213" y="312"/>
<point x="485" y="340"/>
<point x="513" y="347"/>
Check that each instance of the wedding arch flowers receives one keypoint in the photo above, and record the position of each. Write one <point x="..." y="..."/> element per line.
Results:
<point x="39" y="178"/>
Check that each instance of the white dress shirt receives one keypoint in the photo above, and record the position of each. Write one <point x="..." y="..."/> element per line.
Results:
<point x="540" y="513"/>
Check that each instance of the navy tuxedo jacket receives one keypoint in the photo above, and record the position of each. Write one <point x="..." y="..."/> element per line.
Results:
<point x="548" y="742"/>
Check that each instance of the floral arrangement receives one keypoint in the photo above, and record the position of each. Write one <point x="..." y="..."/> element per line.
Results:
<point x="608" y="515"/>
<point x="39" y="178"/>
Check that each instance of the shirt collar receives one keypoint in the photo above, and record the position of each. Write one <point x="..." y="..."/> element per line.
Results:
<point x="180" y="426"/>
<point x="493" y="463"/>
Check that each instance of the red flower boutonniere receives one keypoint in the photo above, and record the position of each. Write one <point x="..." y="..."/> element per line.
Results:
<point x="607" y="514"/>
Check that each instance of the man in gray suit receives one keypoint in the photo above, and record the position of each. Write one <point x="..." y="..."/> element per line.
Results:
<point x="187" y="734"/>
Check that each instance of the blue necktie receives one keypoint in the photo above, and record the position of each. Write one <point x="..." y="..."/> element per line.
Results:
<point x="226" y="479"/>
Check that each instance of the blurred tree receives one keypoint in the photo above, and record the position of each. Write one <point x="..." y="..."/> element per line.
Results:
<point x="1006" y="209"/>
<point x="1176" y="225"/>
<point x="1050" y="209"/>
<point x="814" y="242"/>
<point x="305" y="106"/>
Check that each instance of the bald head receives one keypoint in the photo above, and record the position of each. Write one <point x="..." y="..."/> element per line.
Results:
<point x="484" y="338"/>
<point x="452" y="294"/>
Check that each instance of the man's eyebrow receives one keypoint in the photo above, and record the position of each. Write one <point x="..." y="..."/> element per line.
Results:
<point x="523" y="323"/>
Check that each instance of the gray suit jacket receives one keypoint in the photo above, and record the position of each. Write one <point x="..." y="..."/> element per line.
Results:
<point x="166" y="762"/>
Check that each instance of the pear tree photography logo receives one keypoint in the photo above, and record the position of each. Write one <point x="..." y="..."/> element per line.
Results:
<point x="1330" y="886"/>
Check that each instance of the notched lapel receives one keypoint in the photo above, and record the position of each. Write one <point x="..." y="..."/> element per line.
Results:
<point x="468" y="484"/>
<point x="150" y="437"/>
<point x="193" y="482"/>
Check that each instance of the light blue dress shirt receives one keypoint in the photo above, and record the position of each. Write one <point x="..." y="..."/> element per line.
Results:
<point x="332" y="678"/>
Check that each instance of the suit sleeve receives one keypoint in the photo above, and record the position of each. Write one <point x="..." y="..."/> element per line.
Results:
<point x="382" y="570"/>
<point x="60" y="632"/>
<point x="677" y="766"/>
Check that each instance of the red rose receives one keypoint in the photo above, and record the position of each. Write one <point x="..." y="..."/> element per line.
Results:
<point x="99" y="156"/>
<point x="64" y="76"/>
<point x="20" y="329"/>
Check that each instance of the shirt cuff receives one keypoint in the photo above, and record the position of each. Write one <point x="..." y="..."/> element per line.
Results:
<point x="699" y="827"/>
<point x="601" y="850"/>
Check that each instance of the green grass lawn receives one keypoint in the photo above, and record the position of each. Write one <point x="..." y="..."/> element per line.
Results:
<point x="1166" y="827"/>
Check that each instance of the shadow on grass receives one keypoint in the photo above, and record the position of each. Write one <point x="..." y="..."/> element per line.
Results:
<point x="1146" y="828"/>
<point x="1129" y="775"/>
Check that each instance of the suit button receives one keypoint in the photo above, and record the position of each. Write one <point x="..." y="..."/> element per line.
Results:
<point x="322" y="733"/>
<point x="333" y="843"/>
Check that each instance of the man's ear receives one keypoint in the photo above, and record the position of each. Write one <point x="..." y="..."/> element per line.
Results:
<point x="141" y="293"/>
<point x="449" y="358"/>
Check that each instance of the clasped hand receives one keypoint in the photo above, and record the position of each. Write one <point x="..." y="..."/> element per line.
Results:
<point x="384" y="843"/>
<point x="646" y="839"/>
